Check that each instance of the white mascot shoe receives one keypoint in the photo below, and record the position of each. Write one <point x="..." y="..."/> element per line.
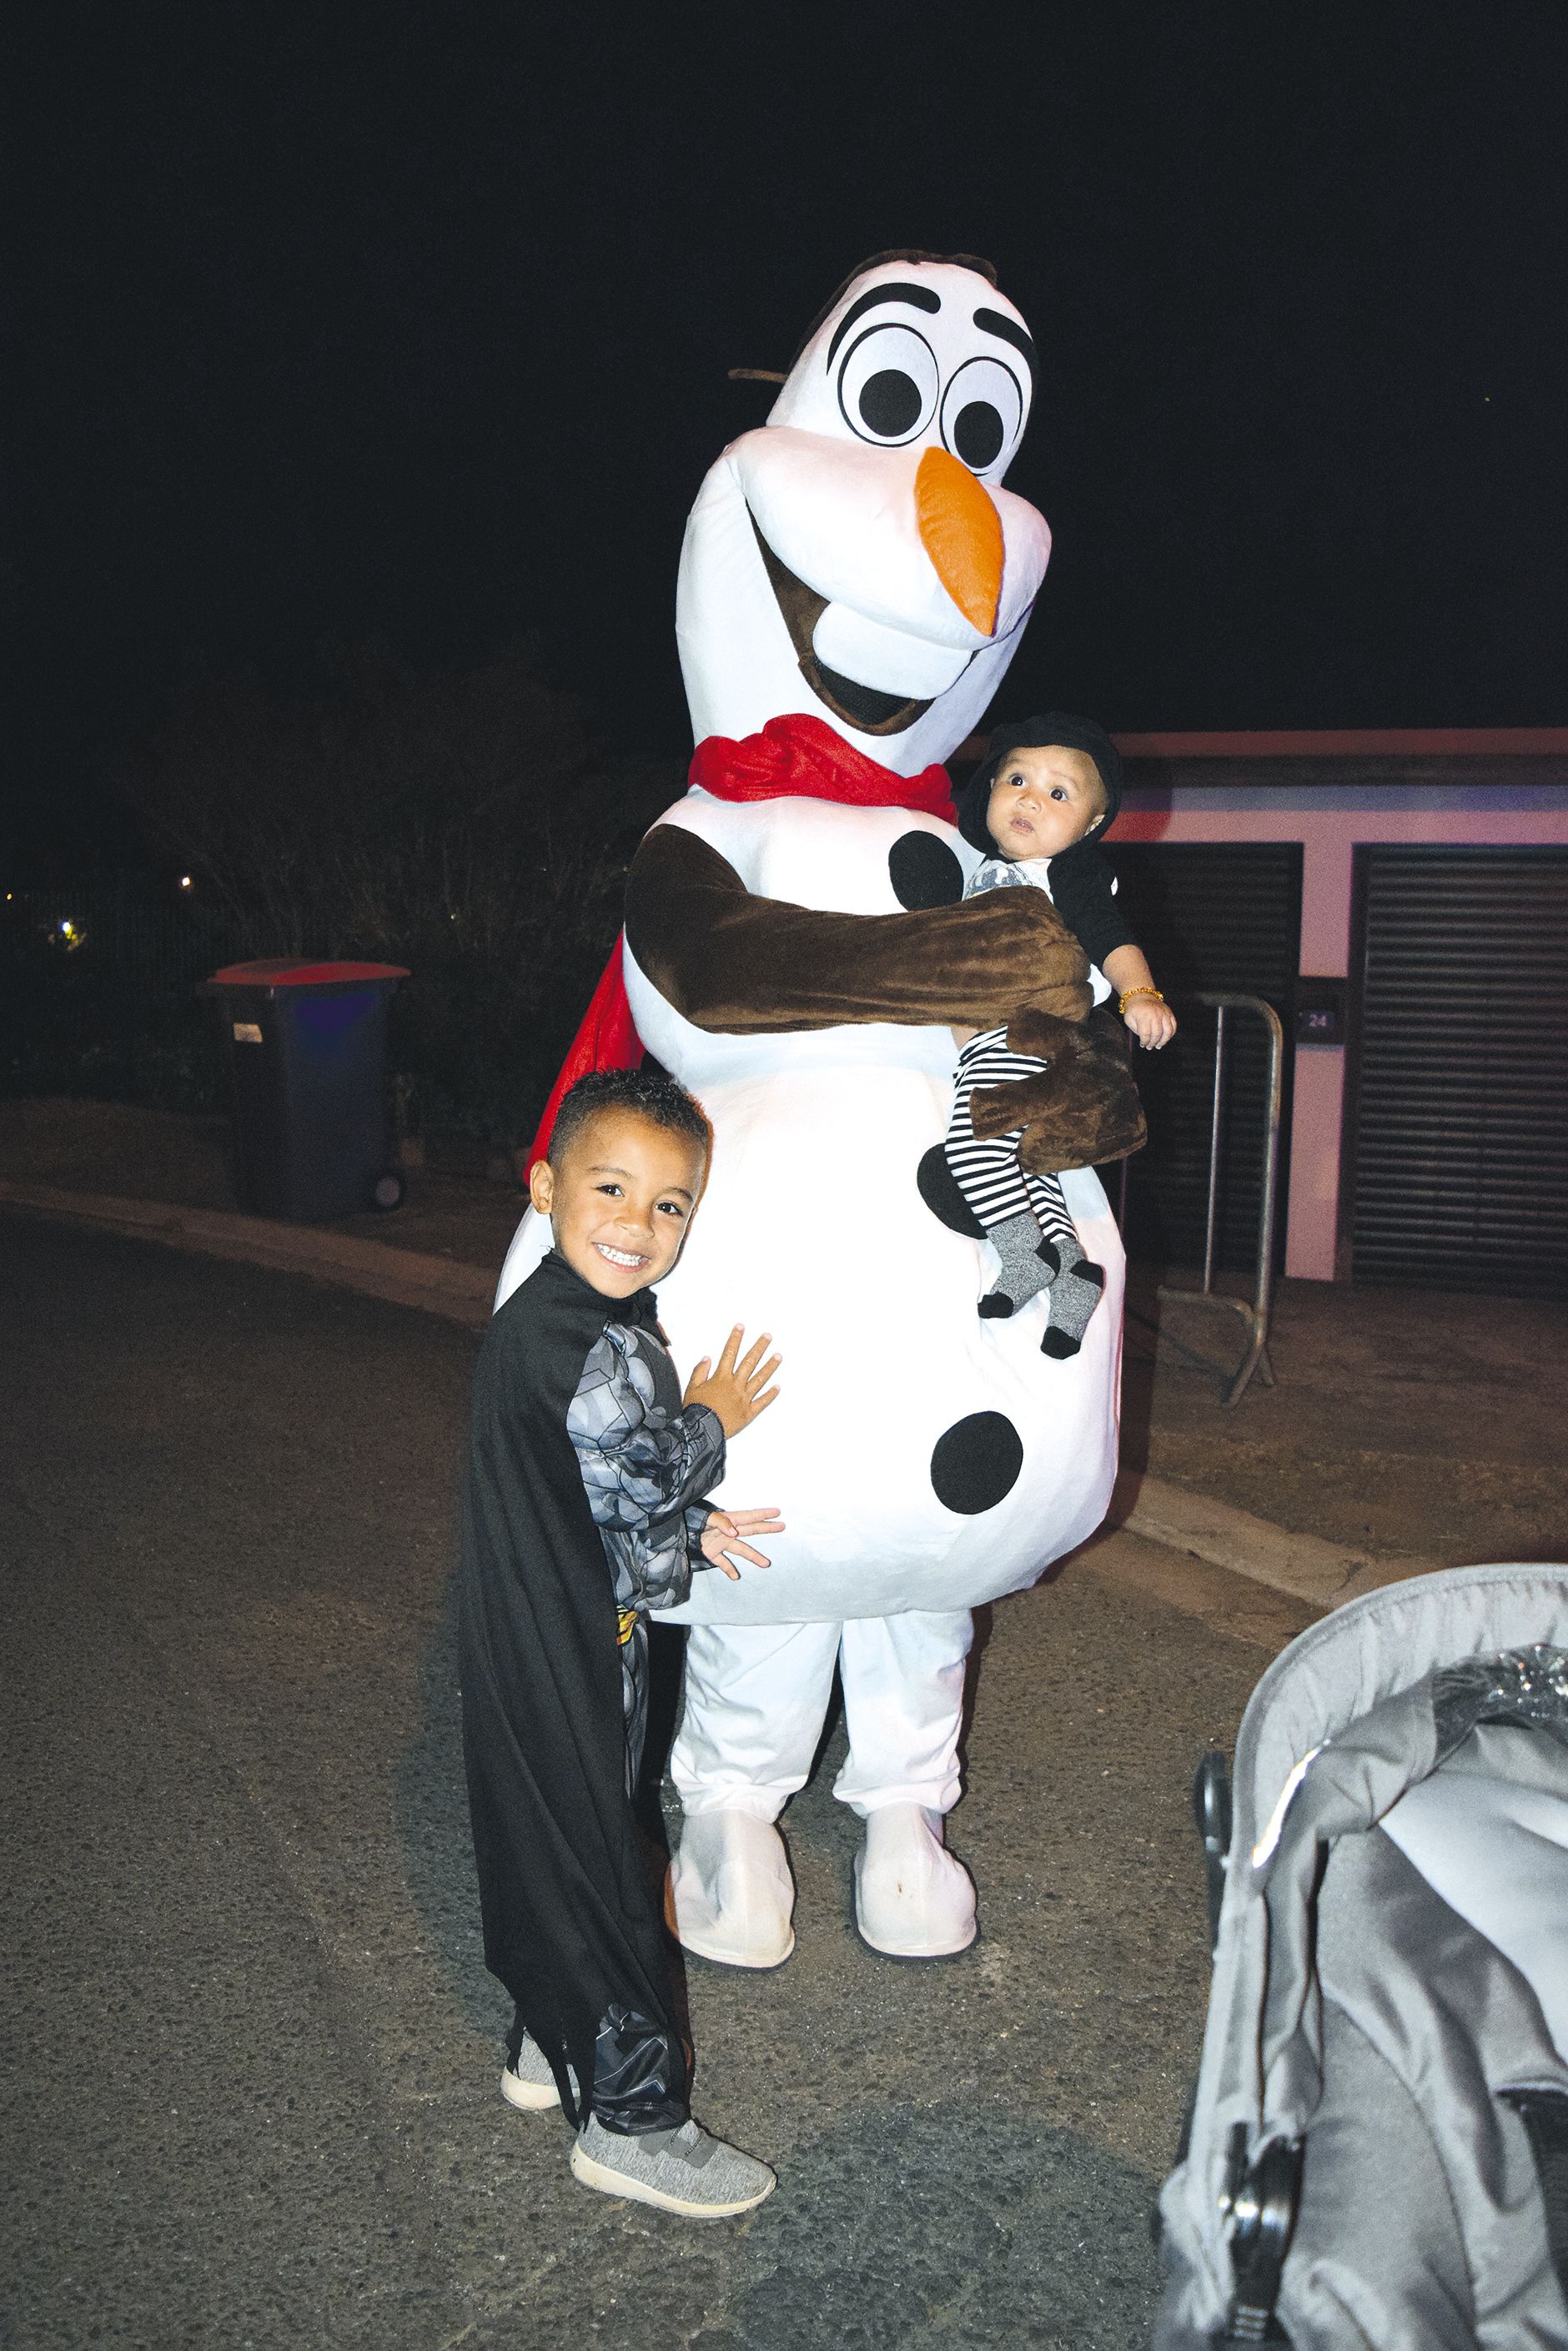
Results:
<point x="729" y="1894"/>
<point x="913" y="1900"/>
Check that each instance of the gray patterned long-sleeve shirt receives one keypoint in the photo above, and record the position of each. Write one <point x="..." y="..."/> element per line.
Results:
<point x="645" y="1465"/>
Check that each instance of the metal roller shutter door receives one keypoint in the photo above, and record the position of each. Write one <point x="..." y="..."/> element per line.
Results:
<point x="1210" y="915"/>
<point x="1460" y="1136"/>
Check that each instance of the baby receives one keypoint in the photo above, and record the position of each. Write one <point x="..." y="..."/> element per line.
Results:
<point x="1047" y="793"/>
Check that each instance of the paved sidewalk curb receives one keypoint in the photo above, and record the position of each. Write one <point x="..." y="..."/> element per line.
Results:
<point x="438" y="1285"/>
<point x="1308" y="1568"/>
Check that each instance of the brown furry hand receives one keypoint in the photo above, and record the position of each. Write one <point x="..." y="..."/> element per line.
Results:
<point x="1047" y="1036"/>
<point x="1062" y="990"/>
<point x="1081" y="1112"/>
<point x="1071" y="1000"/>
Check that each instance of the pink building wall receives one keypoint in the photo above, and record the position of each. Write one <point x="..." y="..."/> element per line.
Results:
<point x="1331" y="822"/>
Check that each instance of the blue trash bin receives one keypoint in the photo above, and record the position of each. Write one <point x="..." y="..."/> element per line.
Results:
<point x="307" y="1045"/>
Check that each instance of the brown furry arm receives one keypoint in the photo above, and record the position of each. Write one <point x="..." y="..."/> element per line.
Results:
<point x="739" y="964"/>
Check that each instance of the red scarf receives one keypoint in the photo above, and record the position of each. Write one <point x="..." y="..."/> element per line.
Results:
<point x="797" y="757"/>
<point x="802" y="759"/>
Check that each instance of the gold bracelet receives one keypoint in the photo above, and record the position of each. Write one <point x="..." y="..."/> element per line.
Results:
<point x="1123" y="1001"/>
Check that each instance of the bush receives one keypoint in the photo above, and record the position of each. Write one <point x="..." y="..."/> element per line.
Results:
<point x="463" y="822"/>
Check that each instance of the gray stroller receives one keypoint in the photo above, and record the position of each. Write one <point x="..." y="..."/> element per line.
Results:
<point x="1377" y="2157"/>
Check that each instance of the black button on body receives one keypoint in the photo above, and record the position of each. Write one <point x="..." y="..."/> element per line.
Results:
<point x="924" y="871"/>
<point x="976" y="1462"/>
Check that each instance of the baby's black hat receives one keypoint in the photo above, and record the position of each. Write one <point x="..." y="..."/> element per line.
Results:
<point x="1033" y="734"/>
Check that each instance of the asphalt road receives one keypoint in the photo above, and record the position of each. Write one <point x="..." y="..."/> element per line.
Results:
<point x="253" y="2049"/>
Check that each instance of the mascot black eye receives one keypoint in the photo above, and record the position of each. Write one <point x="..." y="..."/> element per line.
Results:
<point x="888" y="382"/>
<point x="983" y="413"/>
<point x="890" y="403"/>
<point x="978" y="434"/>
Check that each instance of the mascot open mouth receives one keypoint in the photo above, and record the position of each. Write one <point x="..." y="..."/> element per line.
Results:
<point x="866" y="708"/>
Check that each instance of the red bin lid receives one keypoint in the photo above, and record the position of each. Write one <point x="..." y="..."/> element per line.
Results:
<point x="287" y="971"/>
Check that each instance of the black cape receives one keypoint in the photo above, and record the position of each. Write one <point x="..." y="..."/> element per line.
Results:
<point x="571" y="1926"/>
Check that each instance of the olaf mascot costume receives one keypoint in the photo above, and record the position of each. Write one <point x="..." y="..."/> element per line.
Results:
<point x="853" y="583"/>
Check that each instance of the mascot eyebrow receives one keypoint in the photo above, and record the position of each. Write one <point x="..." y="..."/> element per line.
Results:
<point x="997" y="322"/>
<point x="919" y="298"/>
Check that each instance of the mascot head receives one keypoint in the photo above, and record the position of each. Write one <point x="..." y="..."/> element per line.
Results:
<point x="857" y="557"/>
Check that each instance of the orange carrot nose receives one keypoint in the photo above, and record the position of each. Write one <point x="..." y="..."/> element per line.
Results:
<point x="961" y="531"/>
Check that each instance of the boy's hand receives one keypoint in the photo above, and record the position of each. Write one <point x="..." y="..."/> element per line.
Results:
<point x="733" y="1387"/>
<point x="724" y="1534"/>
<point x="1154" y="1024"/>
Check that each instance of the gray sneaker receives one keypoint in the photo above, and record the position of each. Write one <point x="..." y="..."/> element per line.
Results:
<point x="529" y="2084"/>
<point x="686" y="2171"/>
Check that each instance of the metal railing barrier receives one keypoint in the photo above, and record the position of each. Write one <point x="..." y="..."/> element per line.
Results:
<point x="1255" y="1313"/>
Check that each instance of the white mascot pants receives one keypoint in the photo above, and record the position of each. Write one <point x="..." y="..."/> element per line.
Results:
<point x="757" y="1696"/>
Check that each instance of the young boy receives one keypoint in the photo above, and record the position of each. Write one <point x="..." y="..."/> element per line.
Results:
<point x="584" y="1488"/>
<point x="1048" y="790"/>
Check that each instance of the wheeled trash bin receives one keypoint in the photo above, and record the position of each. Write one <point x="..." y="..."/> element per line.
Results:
<point x="307" y="1046"/>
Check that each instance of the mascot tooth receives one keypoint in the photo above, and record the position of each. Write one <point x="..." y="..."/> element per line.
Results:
<point x="853" y="583"/>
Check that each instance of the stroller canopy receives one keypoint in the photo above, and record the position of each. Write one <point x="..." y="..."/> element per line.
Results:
<point x="1378" y="2153"/>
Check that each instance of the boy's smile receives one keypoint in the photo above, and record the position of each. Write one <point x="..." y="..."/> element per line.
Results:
<point x="1044" y="799"/>
<point x="620" y="1198"/>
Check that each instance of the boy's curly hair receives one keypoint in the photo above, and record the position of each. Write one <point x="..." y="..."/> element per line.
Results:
<point x="647" y="1092"/>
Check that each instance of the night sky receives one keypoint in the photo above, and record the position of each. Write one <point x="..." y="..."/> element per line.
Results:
<point x="412" y="324"/>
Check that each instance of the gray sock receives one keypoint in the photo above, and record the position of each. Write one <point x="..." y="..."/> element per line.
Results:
<point x="1029" y="1265"/>
<point x="1074" y="1294"/>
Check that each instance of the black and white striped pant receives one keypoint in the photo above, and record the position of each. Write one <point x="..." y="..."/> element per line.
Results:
<point x="988" y="1173"/>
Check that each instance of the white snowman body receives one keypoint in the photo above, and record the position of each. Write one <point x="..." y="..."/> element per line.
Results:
<point x="813" y="1228"/>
